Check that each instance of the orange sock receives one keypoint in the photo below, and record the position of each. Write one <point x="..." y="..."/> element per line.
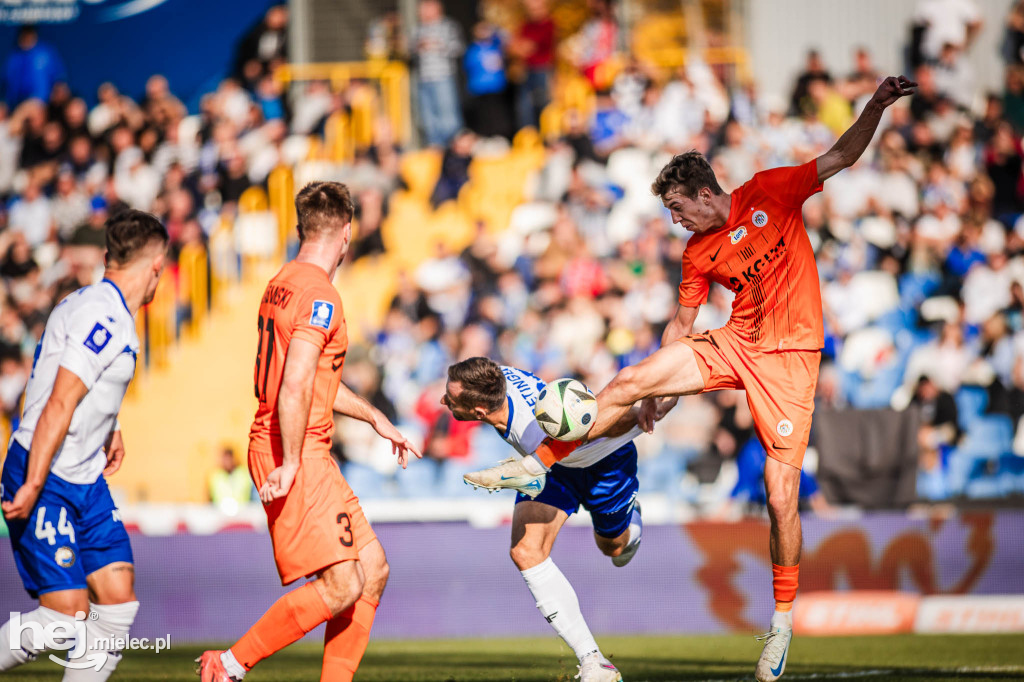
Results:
<point x="346" y="639"/>
<point x="552" y="451"/>
<point x="785" y="579"/>
<point x="290" y="617"/>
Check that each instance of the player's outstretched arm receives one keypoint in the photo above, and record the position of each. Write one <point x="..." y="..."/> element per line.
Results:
<point x="848" y="148"/>
<point x="352" y="405"/>
<point x="293" y="401"/>
<point x="54" y="421"/>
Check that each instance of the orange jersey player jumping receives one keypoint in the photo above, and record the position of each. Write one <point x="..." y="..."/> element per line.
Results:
<point x="316" y="524"/>
<point x="754" y="243"/>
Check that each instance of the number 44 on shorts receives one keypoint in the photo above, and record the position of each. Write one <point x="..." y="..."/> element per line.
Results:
<point x="46" y="531"/>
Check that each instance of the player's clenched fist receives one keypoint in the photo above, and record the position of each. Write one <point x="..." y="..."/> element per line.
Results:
<point x="278" y="483"/>
<point x="892" y="88"/>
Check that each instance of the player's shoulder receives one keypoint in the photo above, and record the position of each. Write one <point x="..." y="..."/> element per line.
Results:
<point x="101" y="302"/>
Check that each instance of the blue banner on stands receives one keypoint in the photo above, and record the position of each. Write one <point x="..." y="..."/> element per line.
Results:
<point x="191" y="42"/>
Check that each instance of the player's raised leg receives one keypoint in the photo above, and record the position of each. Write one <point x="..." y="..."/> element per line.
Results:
<point x="535" y="525"/>
<point x="348" y="633"/>
<point x="623" y="547"/>
<point x="670" y="371"/>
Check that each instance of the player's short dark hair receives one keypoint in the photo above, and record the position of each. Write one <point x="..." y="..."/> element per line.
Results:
<point x="483" y="383"/>
<point x="129" y="232"/>
<point x="686" y="173"/>
<point x="322" y="205"/>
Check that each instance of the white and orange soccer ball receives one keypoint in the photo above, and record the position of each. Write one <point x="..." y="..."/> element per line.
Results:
<point x="566" y="409"/>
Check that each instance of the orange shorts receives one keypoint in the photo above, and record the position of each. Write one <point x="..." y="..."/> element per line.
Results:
<point x="318" y="523"/>
<point x="780" y="388"/>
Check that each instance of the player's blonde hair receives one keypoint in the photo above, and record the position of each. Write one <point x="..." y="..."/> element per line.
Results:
<point x="686" y="173"/>
<point x="322" y="207"/>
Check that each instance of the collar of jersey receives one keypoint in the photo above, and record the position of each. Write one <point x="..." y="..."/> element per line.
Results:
<point x="119" y="294"/>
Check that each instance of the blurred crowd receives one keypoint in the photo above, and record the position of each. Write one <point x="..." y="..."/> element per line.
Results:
<point x="919" y="250"/>
<point x="919" y="245"/>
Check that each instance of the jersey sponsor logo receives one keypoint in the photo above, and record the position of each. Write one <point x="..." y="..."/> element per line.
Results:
<point x="736" y="235"/>
<point x="277" y="296"/>
<point x="65" y="557"/>
<point x="752" y="274"/>
<point x="323" y="313"/>
<point x="784" y="428"/>
<point x="760" y="219"/>
<point x="98" y="338"/>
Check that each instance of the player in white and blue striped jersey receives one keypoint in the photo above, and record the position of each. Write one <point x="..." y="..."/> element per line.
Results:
<point x="70" y="546"/>
<point x="599" y="475"/>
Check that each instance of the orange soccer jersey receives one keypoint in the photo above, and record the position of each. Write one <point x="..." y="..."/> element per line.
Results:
<point x="299" y="303"/>
<point x="763" y="255"/>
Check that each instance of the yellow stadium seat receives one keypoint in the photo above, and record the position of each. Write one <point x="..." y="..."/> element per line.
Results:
<point x="252" y="200"/>
<point x="420" y="171"/>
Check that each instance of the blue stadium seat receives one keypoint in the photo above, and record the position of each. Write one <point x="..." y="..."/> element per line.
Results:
<point x="916" y="287"/>
<point x="420" y="479"/>
<point x="971" y="403"/>
<point x="988" y="437"/>
<point x="661" y="474"/>
<point x="368" y="484"/>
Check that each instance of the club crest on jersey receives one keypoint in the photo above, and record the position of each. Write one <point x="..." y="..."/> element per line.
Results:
<point x="65" y="557"/>
<point x="784" y="428"/>
<point x="760" y="219"/>
<point x="323" y="313"/>
<point x="736" y="235"/>
<point x="98" y="338"/>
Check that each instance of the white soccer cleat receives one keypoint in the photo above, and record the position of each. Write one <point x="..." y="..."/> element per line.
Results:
<point x="772" y="663"/>
<point x="508" y="474"/>
<point x="636" y="529"/>
<point x="597" y="668"/>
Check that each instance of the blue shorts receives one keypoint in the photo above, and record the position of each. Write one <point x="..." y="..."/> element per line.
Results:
<point x="72" y="531"/>
<point x="605" y="489"/>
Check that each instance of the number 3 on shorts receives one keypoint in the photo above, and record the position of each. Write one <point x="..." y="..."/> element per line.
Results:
<point x="346" y="528"/>
<point x="46" y="531"/>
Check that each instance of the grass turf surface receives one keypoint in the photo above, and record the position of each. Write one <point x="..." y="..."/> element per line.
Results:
<point x="650" y="659"/>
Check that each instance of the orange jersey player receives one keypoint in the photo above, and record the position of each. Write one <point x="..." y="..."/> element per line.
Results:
<point x="753" y="242"/>
<point x="316" y="524"/>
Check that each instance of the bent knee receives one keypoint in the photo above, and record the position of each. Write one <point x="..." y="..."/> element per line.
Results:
<point x="526" y="557"/>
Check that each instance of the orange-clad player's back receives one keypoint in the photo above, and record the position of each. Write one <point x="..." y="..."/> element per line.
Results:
<point x="299" y="303"/>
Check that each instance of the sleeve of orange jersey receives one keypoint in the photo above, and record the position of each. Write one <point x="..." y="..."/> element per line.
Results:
<point x="791" y="185"/>
<point x="313" y="321"/>
<point x="693" y="287"/>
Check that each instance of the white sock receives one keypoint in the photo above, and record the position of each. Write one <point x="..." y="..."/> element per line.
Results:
<point x="11" y="657"/>
<point x="231" y="664"/>
<point x="113" y="621"/>
<point x="534" y="466"/>
<point x="782" y="620"/>
<point x="559" y="605"/>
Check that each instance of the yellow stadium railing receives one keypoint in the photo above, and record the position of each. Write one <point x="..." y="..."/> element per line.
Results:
<point x="193" y="285"/>
<point x="391" y="78"/>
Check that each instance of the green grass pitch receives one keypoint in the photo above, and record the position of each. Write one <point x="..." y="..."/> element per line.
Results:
<point x="650" y="659"/>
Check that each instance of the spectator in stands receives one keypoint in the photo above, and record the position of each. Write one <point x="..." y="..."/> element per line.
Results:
<point x="454" y="168"/>
<point x="957" y="22"/>
<point x="597" y="44"/>
<point x="814" y="71"/>
<point x="436" y="45"/>
<point x="263" y="47"/>
<point x="32" y="215"/>
<point x="535" y="45"/>
<point x="488" y="110"/>
<point x="229" y="486"/>
<point x="32" y="69"/>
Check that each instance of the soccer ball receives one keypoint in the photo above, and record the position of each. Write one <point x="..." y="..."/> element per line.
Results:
<point x="566" y="409"/>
